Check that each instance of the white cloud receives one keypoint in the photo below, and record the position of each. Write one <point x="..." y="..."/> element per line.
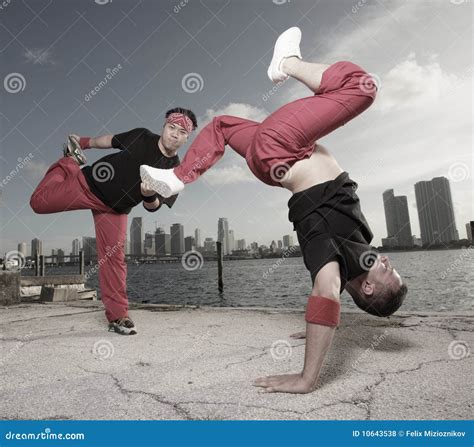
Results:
<point x="36" y="169"/>
<point x="228" y="176"/>
<point x="235" y="109"/>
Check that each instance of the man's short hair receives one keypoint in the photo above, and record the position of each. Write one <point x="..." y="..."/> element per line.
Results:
<point x="186" y="112"/>
<point x="384" y="303"/>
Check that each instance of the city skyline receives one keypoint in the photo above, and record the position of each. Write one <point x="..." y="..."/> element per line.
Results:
<point x="420" y="125"/>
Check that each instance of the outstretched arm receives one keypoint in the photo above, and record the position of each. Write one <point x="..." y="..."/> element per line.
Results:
<point x="100" y="142"/>
<point x="318" y="336"/>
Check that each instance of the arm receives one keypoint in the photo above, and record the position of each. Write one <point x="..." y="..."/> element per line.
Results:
<point x="318" y="339"/>
<point x="101" y="142"/>
<point x="148" y="195"/>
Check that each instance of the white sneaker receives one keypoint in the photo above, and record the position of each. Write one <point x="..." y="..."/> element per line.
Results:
<point x="163" y="181"/>
<point x="287" y="45"/>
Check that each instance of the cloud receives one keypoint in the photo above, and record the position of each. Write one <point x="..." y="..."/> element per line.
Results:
<point x="235" y="109"/>
<point x="228" y="176"/>
<point x="39" y="56"/>
<point x="36" y="169"/>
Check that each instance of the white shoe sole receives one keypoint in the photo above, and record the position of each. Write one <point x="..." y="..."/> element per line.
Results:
<point x="158" y="186"/>
<point x="274" y="72"/>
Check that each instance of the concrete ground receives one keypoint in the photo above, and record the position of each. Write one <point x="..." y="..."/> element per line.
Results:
<point x="59" y="362"/>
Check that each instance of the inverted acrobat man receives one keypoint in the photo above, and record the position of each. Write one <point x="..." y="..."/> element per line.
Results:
<point x="332" y="231"/>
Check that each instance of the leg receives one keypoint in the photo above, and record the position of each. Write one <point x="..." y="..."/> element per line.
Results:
<point x="60" y="189"/>
<point x="345" y="90"/>
<point x="208" y="147"/>
<point x="110" y="230"/>
<point x="205" y="151"/>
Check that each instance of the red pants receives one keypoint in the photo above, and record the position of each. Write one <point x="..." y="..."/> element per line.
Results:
<point x="287" y="135"/>
<point x="64" y="188"/>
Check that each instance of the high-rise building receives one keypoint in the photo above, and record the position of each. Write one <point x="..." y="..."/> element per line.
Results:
<point x="162" y="242"/>
<point x="188" y="243"/>
<point x="470" y="230"/>
<point x="223" y="234"/>
<point x="397" y="219"/>
<point x="90" y="249"/>
<point x="435" y="211"/>
<point x="149" y="244"/>
<point x="36" y="247"/>
<point x="177" y="239"/>
<point x="197" y="238"/>
<point x="22" y="248"/>
<point x="287" y="240"/>
<point x="76" y="247"/>
<point x="60" y="256"/>
<point x="241" y="245"/>
<point x="210" y="245"/>
<point x="231" y="241"/>
<point x="280" y="244"/>
<point x="273" y="246"/>
<point x="136" y="236"/>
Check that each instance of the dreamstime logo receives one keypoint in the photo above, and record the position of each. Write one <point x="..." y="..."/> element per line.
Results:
<point x="457" y="2"/>
<point x="102" y="2"/>
<point x="367" y="259"/>
<point x="458" y="349"/>
<point x="14" y="82"/>
<point x="267" y="95"/>
<point x="22" y="162"/>
<point x="109" y="252"/>
<point x="103" y="349"/>
<point x="16" y="259"/>
<point x="192" y="260"/>
<point x="465" y="253"/>
<point x="280" y="350"/>
<point x="110" y="74"/>
<point x="192" y="83"/>
<point x="103" y="172"/>
<point x="370" y="83"/>
<point x="198" y="164"/>
<point x="280" y="261"/>
<point x="280" y="2"/>
<point x="458" y="172"/>
<point x="278" y="171"/>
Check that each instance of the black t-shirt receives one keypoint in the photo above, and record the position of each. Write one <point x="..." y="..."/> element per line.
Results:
<point x="115" y="178"/>
<point x="331" y="226"/>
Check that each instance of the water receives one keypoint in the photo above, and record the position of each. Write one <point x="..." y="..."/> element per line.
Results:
<point x="437" y="281"/>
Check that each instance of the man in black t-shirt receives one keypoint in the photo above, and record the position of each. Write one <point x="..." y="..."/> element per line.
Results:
<point x="110" y="188"/>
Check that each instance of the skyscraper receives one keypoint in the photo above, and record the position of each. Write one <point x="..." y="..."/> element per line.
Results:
<point x="470" y="230"/>
<point x="149" y="245"/>
<point x="287" y="240"/>
<point x="162" y="242"/>
<point x="76" y="246"/>
<point x="397" y="219"/>
<point x="231" y="241"/>
<point x="435" y="211"/>
<point x="22" y="248"/>
<point x="188" y="243"/>
<point x="223" y="234"/>
<point x="89" y="247"/>
<point x="177" y="239"/>
<point x="197" y="238"/>
<point x="36" y="247"/>
<point x="136" y="236"/>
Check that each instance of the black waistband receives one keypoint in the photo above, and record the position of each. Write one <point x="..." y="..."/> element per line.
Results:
<point x="305" y="202"/>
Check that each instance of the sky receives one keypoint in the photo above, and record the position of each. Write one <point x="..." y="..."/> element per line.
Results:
<point x="212" y="57"/>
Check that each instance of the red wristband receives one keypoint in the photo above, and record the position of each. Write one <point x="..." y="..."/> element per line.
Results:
<point x="324" y="311"/>
<point x="85" y="142"/>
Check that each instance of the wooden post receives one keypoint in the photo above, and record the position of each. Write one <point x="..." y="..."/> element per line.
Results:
<point x="41" y="260"/>
<point x="220" y="283"/>
<point x="37" y="266"/>
<point x="81" y="262"/>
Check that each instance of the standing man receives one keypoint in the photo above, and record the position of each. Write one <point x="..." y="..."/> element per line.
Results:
<point x="110" y="188"/>
<point x="332" y="231"/>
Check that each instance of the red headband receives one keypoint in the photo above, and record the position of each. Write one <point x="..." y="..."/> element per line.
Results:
<point x="181" y="120"/>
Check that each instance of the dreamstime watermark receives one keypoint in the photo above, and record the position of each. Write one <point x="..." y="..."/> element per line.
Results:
<point x="15" y="259"/>
<point x="274" y="267"/>
<point x="367" y="259"/>
<point x="18" y="345"/>
<point x="465" y="253"/>
<point x="109" y="252"/>
<point x="102" y="2"/>
<point x="281" y="350"/>
<point x="370" y="83"/>
<point x="280" y="171"/>
<point x="179" y="6"/>
<point x="192" y="260"/>
<point x="14" y="82"/>
<point x="358" y="6"/>
<point x="103" y="349"/>
<point x="198" y="164"/>
<point x="192" y="83"/>
<point x="4" y="4"/>
<point x="458" y="349"/>
<point x="267" y="95"/>
<point x="111" y="73"/>
<point x="22" y="162"/>
<point x="458" y="172"/>
<point x="373" y="345"/>
<point x="103" y="171"/>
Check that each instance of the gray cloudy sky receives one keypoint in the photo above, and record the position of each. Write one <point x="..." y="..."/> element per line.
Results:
<point x="54" y="52"/>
